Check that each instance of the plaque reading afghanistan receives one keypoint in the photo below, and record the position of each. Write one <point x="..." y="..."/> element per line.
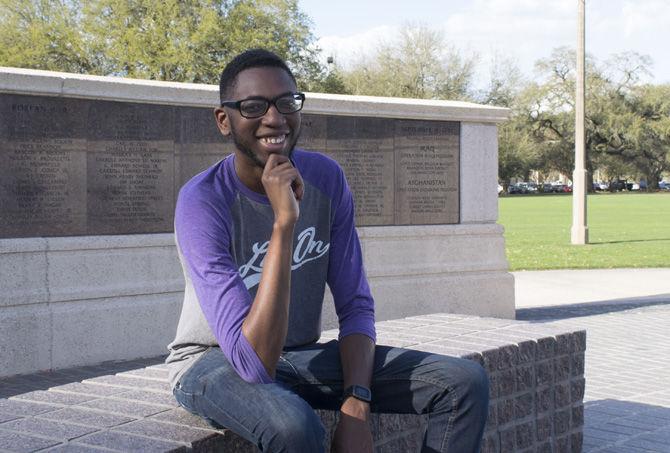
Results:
<point x="427" y="172"/>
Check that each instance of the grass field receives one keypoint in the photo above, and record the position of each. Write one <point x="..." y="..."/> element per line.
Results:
<point x="625" y="230"/>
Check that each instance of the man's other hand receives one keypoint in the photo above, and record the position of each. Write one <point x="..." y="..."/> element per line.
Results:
<point x="353" y="434"/>
<point x="284" y="188"/>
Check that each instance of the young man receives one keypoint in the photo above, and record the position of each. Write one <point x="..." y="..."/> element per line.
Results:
<point x="259" y="235"/>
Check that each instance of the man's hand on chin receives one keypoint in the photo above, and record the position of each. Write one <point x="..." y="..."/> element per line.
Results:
<point x="353" y="434"/>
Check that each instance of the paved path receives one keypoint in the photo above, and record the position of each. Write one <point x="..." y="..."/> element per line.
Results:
<point x="563" y="287"/>
<point x="626" y="313"/>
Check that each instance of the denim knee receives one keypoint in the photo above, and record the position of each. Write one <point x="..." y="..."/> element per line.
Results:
<point x="476" y="388"/>
<point x="469" y="383"/>
<point x="297" y="431"/>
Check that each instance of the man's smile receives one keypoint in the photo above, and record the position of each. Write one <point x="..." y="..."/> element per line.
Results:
<point x="274" y="139"/>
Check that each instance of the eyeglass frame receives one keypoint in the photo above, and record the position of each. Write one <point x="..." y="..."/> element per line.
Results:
<point x="238" y="104"/>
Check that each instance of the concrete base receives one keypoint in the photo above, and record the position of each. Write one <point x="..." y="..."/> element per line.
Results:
<point x="82" y="300"/>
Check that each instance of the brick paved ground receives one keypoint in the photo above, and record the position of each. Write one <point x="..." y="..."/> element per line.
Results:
<point x="627" y="400"/>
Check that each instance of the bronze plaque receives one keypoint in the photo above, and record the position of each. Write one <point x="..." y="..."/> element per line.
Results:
<point x="364" y="149"/>
<point x="313" y="133"/>
<point x="199" y="144"/>
<point x="427" y="172"/>
<point x="130" y="168"/>
<point x="42" y="167"/>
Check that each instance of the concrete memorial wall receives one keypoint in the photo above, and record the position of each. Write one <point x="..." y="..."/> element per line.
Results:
<point x="90" y="168"/>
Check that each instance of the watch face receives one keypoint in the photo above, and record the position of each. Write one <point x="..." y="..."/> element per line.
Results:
<point x="361" y="393"/>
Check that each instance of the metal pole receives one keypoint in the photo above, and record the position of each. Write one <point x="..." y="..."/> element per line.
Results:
<point x="580" y="231"/>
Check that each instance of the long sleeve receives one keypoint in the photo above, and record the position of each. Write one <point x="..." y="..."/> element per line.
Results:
<point x="203" y="232"/>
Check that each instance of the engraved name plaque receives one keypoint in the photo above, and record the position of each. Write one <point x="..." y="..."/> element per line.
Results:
<point x="130" y="168"/>
<point x="199" y="144"/>
<point x="364" y="149"/>
<point x="42" y="167"/>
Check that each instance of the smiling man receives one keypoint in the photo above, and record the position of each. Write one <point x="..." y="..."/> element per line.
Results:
<point x="259" y="236"/>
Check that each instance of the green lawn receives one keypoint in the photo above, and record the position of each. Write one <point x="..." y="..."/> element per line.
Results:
<point x="625" y="230"/>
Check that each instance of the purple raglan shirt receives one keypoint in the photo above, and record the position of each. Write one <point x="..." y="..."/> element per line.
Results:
<point x="222" y="230"/>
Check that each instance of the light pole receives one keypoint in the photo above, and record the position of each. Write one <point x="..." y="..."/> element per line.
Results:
<point x="580" y="231"/>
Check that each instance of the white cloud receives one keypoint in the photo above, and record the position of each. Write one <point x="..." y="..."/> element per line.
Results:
<point x="524" y="30"/>
<point x="349" y="49"/>
<point x="643" y="19"/>
<point x="527" y="30"/>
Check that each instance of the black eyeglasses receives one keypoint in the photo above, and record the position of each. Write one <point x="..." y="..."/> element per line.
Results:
<point x="256" y="107"/>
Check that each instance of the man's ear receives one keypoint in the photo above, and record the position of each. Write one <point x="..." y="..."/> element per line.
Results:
<point x="222" y="120"/>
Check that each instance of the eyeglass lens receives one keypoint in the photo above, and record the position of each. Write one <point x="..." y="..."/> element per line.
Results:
<point x="258" y="107"/>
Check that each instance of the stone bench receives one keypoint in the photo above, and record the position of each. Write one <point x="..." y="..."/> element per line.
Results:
<point x="536" y="373"/>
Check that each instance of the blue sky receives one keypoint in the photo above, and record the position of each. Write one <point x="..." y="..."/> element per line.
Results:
<point x="523" y="30"/>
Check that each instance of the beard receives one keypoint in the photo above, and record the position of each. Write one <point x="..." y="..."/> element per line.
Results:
<point x="247" y="151"/>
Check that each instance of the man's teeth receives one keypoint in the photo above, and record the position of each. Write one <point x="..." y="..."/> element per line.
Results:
<point x="274" y="140"/>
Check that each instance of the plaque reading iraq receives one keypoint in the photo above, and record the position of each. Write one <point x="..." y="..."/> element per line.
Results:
<point x="427" y="172"/>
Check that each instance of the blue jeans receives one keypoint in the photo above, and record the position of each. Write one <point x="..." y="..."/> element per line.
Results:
<point x="279" y="417"/>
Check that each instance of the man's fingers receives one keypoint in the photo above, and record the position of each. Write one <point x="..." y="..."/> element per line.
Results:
<point x="297" y="184"/>
<point x="298" y="187"/>
<point x="275" y="160"/>
<point x="279" y="170"/>
<point x="292" y="176"/>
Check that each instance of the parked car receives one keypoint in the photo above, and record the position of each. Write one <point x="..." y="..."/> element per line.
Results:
<point x="599" y="185"/>
<point x="500" y="189"/>
<point x="618" y="185"/>
<point x="519" y="187"/>
<point x="561" y="188"/>
<point x="547" y="187"/>
<point x="522" y="187"/>
<point x="664" y="185"/>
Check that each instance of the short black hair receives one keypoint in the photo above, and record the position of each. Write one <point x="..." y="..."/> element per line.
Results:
<point x="252" y="58"/>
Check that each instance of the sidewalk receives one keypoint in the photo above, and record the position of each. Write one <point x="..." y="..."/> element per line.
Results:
<point x="565" y="287"/>
<point x="626" y="313"/>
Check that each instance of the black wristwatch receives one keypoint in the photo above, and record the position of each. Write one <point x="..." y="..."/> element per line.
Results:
<point x="359" y="392"/>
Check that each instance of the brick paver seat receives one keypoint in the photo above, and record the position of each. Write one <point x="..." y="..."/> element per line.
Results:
<point x="536" y="373"/>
